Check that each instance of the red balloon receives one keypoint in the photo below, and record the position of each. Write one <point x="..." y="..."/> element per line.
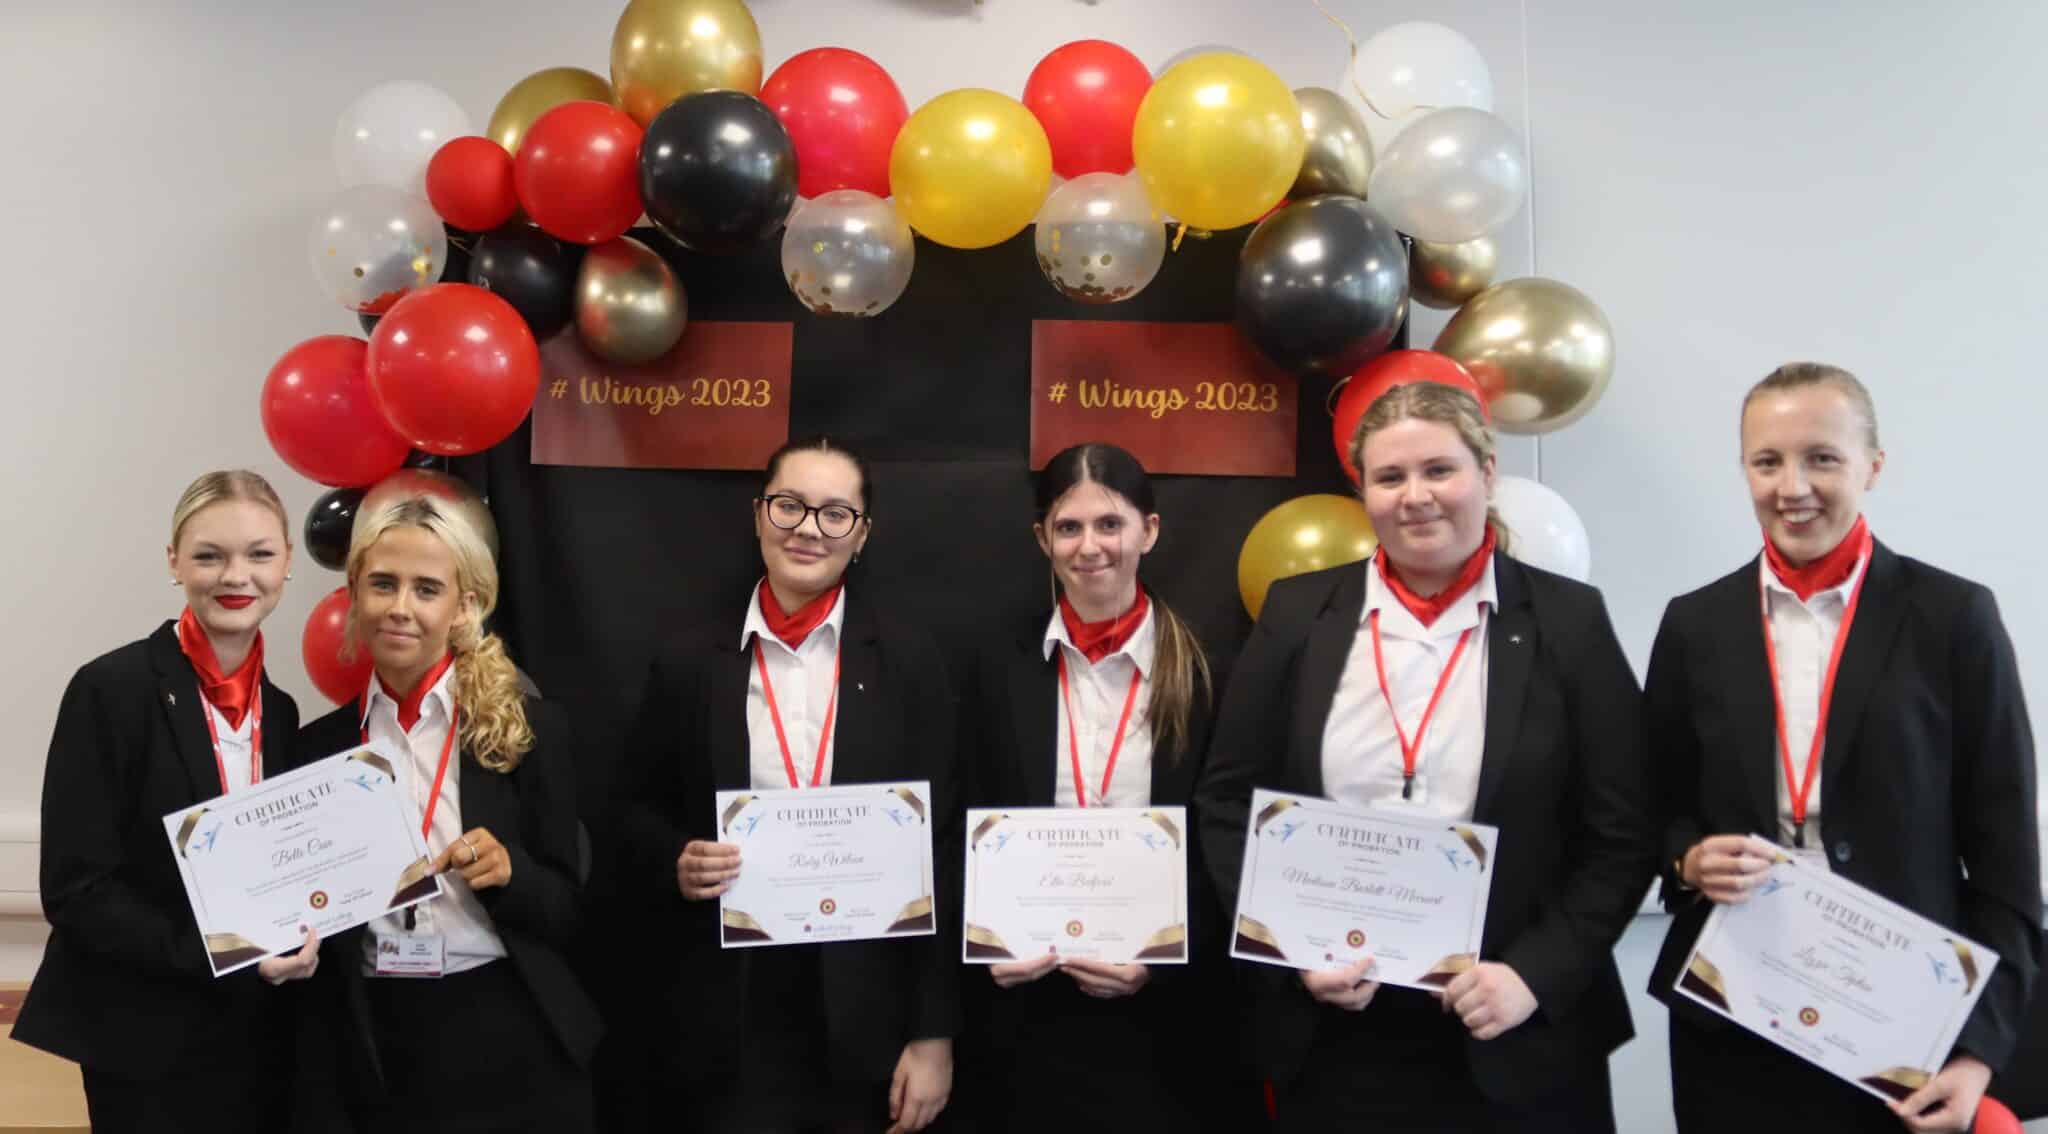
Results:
<point x="842" y="111"/>
<point x="1394" y="368"/>
<point x="578" y="172"/>
<point x="1086" y="95"/>
<point x="470" y="184"/>
<point x="320" y="650"/>
<point x="453" y="368"/>
<point x="1994" y="1117"/>
<point x="321" y="418"/>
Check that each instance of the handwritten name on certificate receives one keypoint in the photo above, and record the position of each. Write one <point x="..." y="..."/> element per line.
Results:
<point x="1108" y="884"/>
<point x="1851" y="982"/>
<point x="844" y="863"/>
<point x="328" y="846"/>
<point x="1325" y="885"/>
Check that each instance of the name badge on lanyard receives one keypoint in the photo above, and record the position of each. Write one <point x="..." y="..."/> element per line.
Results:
<point x="407" y="954"/>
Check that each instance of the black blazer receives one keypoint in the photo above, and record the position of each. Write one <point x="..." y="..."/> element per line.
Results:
<point x="1927" y="779"/>
<point x="894" y="722"/>
<point x="124" y="985"/>
<point x="1562" y="775"/>
<point x="532" y="811"/>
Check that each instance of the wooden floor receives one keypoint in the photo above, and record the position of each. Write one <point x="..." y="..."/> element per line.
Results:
<point x="38" y="1093"/>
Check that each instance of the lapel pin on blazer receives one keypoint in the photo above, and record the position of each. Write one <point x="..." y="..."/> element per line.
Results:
<point x="1514" y="639"/>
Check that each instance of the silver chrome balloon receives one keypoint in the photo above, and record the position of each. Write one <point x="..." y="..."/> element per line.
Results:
<point x="1339" y="157"/>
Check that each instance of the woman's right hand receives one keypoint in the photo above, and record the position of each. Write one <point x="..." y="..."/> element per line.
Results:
<point x="706" y="870"/>
<point x="1726" y="868"/>
<point x="1023" y="972"/>
<point x="1344" y="988"/>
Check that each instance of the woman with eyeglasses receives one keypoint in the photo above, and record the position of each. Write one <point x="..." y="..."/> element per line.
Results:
<point x="808" y="687"/>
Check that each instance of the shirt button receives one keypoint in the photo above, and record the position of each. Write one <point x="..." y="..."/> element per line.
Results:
<point x="1842" y="852"/>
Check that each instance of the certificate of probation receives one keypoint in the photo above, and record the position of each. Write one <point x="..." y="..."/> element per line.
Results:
<point x="842" y="863"/>
<point x="1103" y="883"/>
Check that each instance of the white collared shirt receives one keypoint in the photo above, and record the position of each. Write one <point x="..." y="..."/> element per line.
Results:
<point x="235" y="744"/>
<point x="1361" y="751"/>
<point x="1098" y="691"/>
<point x="1803" y="634"/>
<point x="469" y="937"/>
<point x="803" y="689"/>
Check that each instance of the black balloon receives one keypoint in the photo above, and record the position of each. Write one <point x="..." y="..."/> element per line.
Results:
<point x="421" y="459"/>
<point x="532" y="271"/>
<point x="1322" y="285"/>
<point x="328" y="526"/>
<point x="717" y="171"/>
<point x="368" y="322"/>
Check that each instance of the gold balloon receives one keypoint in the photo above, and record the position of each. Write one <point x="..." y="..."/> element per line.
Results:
<point x="1218" y="140"/>
<point x="1444" y="276"/>
<point x="970" y="168"/>
<point x="665" y="49"/>
<point x="443" y="489"/>
<point x="535" y="95"/>
<point x="629" y="307"/>
<point x="1307" y="533"/>
<point x="1339" y="154"/>
<point x="1541" y="350"/>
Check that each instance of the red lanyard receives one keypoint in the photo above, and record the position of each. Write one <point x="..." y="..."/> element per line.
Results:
<point x="1115" y="745"/>
<point x="1443" y="681"/>
<point x="1800" y="788"/>
<point x="775" y="715"/>
<point x="440" y="772"/>
<point x="255" y="741"/>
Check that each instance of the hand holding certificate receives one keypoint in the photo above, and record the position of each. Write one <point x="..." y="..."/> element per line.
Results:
<point x="1325" y="885"/>
<point x="1100" y="884"/>
<point x="326" y="847"/>
<point x="827" y="864"/>
<point x="1851" y="982"/>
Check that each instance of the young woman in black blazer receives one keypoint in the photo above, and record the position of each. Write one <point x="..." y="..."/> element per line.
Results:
<point x="1890" y="682"/>
<point x="1082" y="1044"/>
<point x="1536" y="730"/>
<point x="807" y="685"/>
<point x="125" y="988"/>
<point x="460" y="1014"/>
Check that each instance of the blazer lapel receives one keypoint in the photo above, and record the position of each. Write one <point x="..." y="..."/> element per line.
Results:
<point x="1878" y="618"/>
<point x="488" y="800"/>
<point x="185" y="711"/>
<point x="854" y="759"/>
<point x="1322" y="667"/>
<point x="1034" y="714"/>
<point x="1744" y="673"/>
<point x="1510" y="653"/>
<point x="725" y="716"/>
<point x="279" y="744"/>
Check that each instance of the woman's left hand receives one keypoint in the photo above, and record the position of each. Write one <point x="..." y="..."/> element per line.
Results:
<point x="922" y="1083"/>
<point x="1949" y="1100"/>
<point x="292" y="966"/>
<point x="1490" y="998"/>
<point x="1107" y="981"/>
<point x="480" y="857"/>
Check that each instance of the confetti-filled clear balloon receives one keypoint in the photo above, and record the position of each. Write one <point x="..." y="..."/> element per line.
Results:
<point x="389" y="134"/>
<point x="372" y="244"/>
<point x="847" y="253"/>
<point x="1099" y="238"/>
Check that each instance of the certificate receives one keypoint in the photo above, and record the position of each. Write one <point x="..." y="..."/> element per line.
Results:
<point x="1324" y="885"/>
<point x="827" y="864"/>
<point x="328" y="846"/>
<point x="1853" y="983"/>
<point x="1109" y="884"/>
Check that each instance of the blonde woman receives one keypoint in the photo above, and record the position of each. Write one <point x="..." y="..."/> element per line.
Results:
<point x="463" y="1010"/>
<point x="177" y="718"/>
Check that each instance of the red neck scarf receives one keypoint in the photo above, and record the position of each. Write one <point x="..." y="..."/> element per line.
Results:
<point x="794" y="628"/>
<point x="410" y="704"/>
<point x="231" y="693"/>
<point x="1098" y="640"/>
<point x="1428" y="609"/>
<point x="1830" y="570"/>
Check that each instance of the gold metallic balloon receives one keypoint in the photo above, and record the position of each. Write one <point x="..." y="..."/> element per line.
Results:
<point x="1339" y="156"/>
<point x="535" y="95"/>
<point x="1307" y="533"/>
<point x="665" y="49"/>
<point x="1218" y="141"/>
<point x="629" y="307"/>
<point x="970" y="168"/>
<point x="1541" y="350"/>
<point x="1444" y="276"/>
<point x="447" y="490"/>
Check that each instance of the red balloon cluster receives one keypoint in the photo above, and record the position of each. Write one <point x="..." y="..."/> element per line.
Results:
<point x="470" y="184"/>
<point x="1086" y="95"/>
<point x="320" y="649"/>
<point x="453" y="368"/>
<point x="578" y="172"/>
<point x="1383" y="373"/>
<point x="321" y="418"/>
<point x="842" y="111"/>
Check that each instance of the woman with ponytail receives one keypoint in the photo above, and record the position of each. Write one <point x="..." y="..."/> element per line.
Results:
<point x="1104" y="701"/>
<point x="464" y="1013"/>
<point x="1446" y="679"/>
<point x="1863" y="710"/>
<point x="178" y="718"/>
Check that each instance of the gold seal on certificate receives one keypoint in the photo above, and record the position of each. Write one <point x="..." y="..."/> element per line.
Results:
<point x="1324" y="885"/>
<point x="1107" y="884"/>
<point x="328" y="846"/>
<point x="1851" y="982"/>
<point x="842" y="863"/>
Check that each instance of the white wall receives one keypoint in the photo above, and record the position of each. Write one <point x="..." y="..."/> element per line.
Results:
<point x="1737" y="184"/>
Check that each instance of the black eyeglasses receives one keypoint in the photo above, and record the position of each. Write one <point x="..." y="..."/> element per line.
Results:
<point x="835" y="521"/>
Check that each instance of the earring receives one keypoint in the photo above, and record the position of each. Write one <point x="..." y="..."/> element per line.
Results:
<point x="287" y="576"/>
<point x="175" y="583"/>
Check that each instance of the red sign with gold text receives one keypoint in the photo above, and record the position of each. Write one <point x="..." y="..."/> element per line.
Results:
<point x="719" y="400"/>
<point x="1182" y="397"/>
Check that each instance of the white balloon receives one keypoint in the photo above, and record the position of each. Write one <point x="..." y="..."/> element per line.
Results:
<point x="1452" y="176"/>
<point x="389" y="134"/>
<point x="1410" y="69"/>
<point x="373" y="244"/>
<point x="1543" y="531"/>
